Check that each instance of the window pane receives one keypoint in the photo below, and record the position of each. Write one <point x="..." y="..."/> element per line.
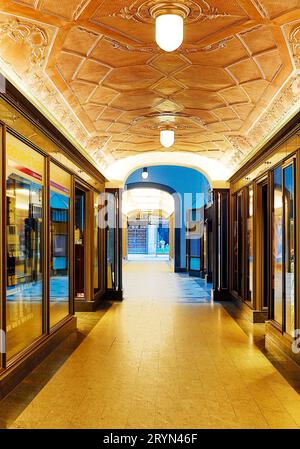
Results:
<point x="111" y="240"/>
<point x="289" y="230"/>
<point x="60" y="183"/>
<point x="277" y="245"/>
<point x="96" y="242"/>
<point x="79" y="242"/>
<point x="250" y="243"/>
<point x="24" y="197"/>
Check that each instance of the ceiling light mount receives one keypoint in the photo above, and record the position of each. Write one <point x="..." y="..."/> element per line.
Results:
<point x="176" y="8"/>
<point x="169" y="24"/>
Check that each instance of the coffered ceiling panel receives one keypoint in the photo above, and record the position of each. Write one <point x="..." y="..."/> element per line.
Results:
<point x="94" y="66"/>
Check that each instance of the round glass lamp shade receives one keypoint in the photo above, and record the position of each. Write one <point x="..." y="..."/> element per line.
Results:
<point x="145" y="173"/>
<point x="169" y="31"/>
<point x="167" y="138"/>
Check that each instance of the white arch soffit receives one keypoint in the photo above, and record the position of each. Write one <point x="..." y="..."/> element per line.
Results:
<point x="214" y="170"/>
<point x="146" y="199"/>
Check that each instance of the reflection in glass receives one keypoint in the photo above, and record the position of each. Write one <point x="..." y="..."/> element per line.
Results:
<point x="79" y="242"/>
<point x="250" y="243"/>
<point x="59" y="253"/>
<point x="96" y="242"/>
<point x="277" y="245"/>
<point x="289" y="202"/>
<point x="111" y="241"/>
<point x="24" y="292"/>
<point x="238" y="243"/>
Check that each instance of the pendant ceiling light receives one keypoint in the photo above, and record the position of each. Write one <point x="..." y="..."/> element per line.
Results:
<point x="169" y="21"/>
<point x="145" y="173"/>
<point x="169" y="31"/>
<point x="167" y="138"/>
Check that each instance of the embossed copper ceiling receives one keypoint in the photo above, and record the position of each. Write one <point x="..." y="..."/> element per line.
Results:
<point x="95" y="66"/>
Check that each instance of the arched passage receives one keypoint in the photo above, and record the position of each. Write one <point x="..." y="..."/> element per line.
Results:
<point x="177" y="212"/>
<point x="215" y="172"/>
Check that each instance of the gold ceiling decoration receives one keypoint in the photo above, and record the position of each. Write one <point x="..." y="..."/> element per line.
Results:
<point x="147" y="11"/>
<point x="94" y="66"/>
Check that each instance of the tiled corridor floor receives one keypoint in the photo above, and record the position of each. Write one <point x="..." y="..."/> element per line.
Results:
<point x="164" y="359"/>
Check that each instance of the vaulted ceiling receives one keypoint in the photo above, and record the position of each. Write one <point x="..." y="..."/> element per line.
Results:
<point x="93" y="66"/>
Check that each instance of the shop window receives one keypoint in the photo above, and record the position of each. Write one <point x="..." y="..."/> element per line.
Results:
<point x="112" y="242"/>
<point x="238" y="243"/>
<point x="79" y="237"/>
<point x="250" y="244"/>
<point x="60" y="187"/>
<point x="96" y="243"/>
<point x="24" y="201"/>
<point x="277" y="245"/>
<point x="289" y="241"/>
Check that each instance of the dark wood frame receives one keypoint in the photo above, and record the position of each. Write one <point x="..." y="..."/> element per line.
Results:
<point x="116" y="293"/>
<point x="221" y="243"/>
<point x="282" y="326"/>
<point x="45" y="251"/>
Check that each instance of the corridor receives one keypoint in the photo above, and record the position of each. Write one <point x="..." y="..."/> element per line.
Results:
<point x="167" y="357"/>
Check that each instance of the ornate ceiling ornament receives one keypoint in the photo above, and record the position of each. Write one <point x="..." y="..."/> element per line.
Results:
<point x="30" y="33"/>
<point x="129" y="48"/>
<point x="191" y="10"/>
<point x="294" y="39"/>
<point x="209" y="48"/>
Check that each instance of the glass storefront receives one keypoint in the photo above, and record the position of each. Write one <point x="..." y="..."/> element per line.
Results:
<point x="96" y="243"/>
<point x="79" y="240"/>
<point x="250" y="244"/>
<point x="111" y="241"/>
<point x="24" y="221"/>
<point x="277" y="246"/>
<point x="238" y="243"/>
<point x="289" y="243"/>
<point x="60" y="189"/>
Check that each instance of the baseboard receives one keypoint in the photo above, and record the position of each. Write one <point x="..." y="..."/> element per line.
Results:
<point x="113" y="295"/>
<point x="195" y="274"/>
<point x="209" y="278"/>
<point x="280" y="344"/>
<point x="88" y="306"/>
<point x="11" y="377"/>
<point x="220" y="295"/>
<point x="252" y="315"/>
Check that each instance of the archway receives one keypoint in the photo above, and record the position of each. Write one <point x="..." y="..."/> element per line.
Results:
<point x="216" y="173"/>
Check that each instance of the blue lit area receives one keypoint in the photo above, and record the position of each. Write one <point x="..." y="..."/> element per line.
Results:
<point x="190" y="188"/>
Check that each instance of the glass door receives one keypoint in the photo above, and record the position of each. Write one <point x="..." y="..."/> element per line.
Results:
<point x="25" y="223"/>
<point x="79" y="241"/>
<point x="283" y="248"/>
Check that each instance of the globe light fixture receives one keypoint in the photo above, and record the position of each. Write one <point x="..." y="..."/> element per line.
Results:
<point x="169" y="31"/>
<point x="169" y="22"/>
<point x="167" y="137"/>
<point x="145" y="173"/>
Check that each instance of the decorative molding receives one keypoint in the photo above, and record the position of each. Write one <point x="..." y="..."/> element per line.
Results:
<point x="209" y="48"/>
<point x="129" y="48"/>
<point x="80" y="8"/>
<point x="200" y="11"/>
<point x="155" y="50"/>
<point x="261" y="8"/>
<point x="294" y="39"/>
<point x="33" y="35"/>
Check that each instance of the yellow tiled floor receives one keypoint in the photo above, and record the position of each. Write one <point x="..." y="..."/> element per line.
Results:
<point x="156" y="360"/>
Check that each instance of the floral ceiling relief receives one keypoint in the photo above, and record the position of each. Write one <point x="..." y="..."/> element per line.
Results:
<point x="95" y="68"/>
